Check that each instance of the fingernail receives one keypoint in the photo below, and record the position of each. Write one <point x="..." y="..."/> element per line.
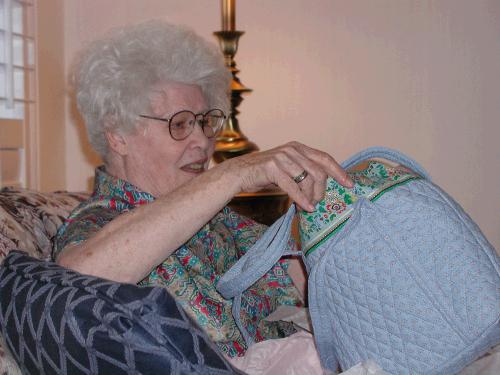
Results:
<point x="349" y="181"/>
<point x="311" y="207"/>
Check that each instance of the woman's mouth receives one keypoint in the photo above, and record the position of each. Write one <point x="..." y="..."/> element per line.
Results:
<point x="197" y="167"/>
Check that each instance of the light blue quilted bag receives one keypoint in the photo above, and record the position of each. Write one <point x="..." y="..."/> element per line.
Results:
<point x="398" y="272"/>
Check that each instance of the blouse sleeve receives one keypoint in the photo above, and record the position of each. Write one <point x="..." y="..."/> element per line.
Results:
<point x="81" y="225"/>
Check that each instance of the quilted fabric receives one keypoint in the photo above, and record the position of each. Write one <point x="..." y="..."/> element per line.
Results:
<point x="418" y="296"/>
<point x="57" y="321"/>
<point x="407" y="279"/>
<point x="372" y="180"/>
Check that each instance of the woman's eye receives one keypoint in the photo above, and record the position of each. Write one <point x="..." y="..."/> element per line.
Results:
<point x="178" y="125"/>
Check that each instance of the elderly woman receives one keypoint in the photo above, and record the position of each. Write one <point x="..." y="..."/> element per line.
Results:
<point x="153" y="98"/>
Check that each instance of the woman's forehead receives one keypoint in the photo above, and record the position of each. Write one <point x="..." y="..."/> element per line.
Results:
<point x="168" y="97"/>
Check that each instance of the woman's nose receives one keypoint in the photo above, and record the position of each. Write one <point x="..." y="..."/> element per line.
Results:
<point x="198" y="136"/>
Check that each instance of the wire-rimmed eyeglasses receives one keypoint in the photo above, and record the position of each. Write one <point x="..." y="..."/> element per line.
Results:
<point x="181" y="124"/>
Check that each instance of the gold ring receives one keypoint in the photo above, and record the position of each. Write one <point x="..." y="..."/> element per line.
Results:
<point x="300" y="177"/>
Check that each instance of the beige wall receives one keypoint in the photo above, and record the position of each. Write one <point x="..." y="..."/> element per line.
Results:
<point x="420" y="76"/>
<point x="51" y="95"/>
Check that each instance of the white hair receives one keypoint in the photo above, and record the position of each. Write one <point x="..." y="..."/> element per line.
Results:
<point x="114" y="75"/>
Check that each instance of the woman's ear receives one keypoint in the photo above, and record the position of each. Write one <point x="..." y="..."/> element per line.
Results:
<point x="117" y="142"/>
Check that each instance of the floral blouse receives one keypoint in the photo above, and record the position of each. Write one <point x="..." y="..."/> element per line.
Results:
<point x="192" y="271"/>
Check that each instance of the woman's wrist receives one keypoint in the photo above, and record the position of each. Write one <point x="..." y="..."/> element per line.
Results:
<point x="229" y="176"/>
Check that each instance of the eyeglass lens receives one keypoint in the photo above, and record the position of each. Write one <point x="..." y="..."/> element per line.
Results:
<point x="182" y="123"/>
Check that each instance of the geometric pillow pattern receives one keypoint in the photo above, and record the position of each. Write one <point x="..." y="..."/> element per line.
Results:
<point x="58" y="321"/>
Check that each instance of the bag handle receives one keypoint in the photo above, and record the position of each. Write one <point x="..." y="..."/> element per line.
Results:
<point x="389" y="154"/>
<point x="259" y="259"/>
<point x="264" y="254"/>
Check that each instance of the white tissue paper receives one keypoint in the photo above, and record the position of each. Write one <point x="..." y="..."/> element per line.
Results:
<point x="297" y="355"/>
<point x="293" y="355"/>
<point x="369" y="367"/>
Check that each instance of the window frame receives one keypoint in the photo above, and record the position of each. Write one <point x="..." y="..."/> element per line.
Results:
<point x="16" y="134"/>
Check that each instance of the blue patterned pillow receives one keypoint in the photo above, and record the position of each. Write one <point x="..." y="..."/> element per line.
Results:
<point x="57" y="321"/>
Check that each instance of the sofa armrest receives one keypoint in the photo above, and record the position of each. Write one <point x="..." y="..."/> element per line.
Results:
<point x="29" y="219"/>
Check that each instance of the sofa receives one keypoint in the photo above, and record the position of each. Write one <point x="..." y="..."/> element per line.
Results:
<point x="29" y="221"/>
<point x="59" y="321"/>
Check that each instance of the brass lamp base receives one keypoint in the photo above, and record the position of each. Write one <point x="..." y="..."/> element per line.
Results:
<point x="267" y="205"/>
<point x="231" y="141"/>
<point x="230" y="149"/>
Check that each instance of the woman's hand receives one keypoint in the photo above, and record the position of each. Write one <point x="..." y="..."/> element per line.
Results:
<point x="281" y="165"/>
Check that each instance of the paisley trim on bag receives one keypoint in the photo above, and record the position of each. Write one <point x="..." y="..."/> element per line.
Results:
<point x="376" y="194"/>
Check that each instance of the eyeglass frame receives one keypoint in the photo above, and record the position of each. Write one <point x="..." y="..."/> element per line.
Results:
<point x="196" y="115"/>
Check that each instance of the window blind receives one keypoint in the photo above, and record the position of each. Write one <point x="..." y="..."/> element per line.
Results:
<point x="17" y="88"/>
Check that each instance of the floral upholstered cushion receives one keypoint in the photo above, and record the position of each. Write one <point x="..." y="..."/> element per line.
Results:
<point x="29" y="219"/>
<point x="8" y="365"/>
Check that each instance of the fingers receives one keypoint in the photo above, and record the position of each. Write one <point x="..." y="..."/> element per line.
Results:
<point x="330" y="165"/>
<point x="293" y="189"/>
<point x="319" y="165"/>
<point x="295" y="158"/>
<point x="256" y="170"/>
<point x="315" y="182"/>
<point x="312" y="186"/>
<point x="282" y="164"/>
